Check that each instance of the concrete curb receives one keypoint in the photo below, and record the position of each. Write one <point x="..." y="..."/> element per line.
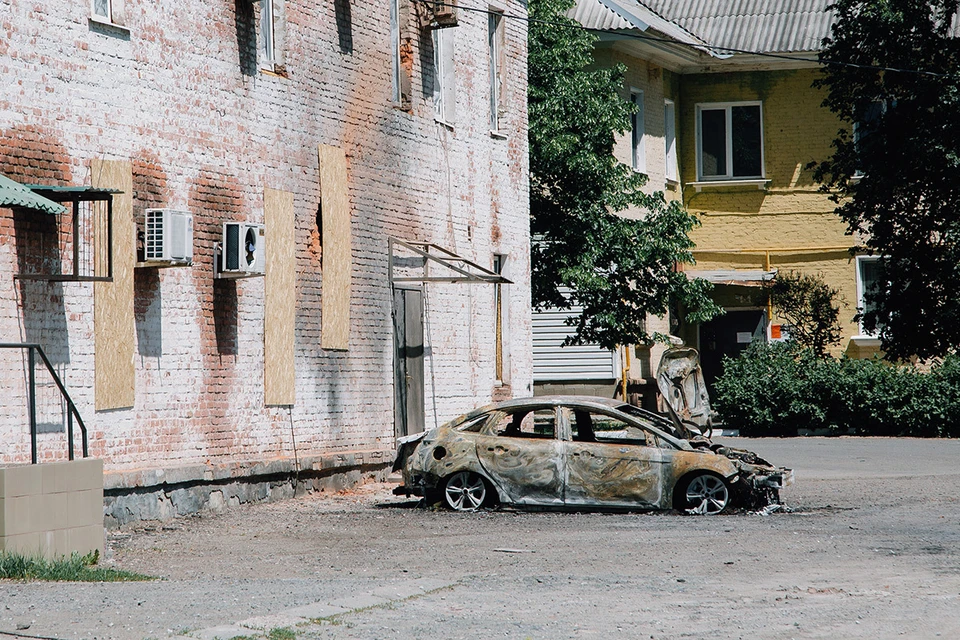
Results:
<point x="320" y="612"/>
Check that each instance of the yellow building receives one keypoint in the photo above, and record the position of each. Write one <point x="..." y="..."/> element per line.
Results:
<point x="729" y="122"/>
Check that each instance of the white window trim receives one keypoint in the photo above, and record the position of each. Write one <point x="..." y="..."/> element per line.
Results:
<point x="860" y="293"/>
<point x="395" y="70"/>
<point x="671" y="169"/>
<point x="638" y="132"/>
<point x="114" y="17"/>
<point x="268" y="33"/>
<point x="495" y="34"/>
<point x="729" y="177"/>
<point x="444" y="79"/>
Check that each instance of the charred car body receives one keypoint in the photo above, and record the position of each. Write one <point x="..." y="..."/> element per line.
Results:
<point x="581" y="452"/>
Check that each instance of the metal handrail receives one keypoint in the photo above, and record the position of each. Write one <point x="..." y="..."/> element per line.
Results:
<point x="33" y="350"/>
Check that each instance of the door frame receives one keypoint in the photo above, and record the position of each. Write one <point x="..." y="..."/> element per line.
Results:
<point x="401" y="406"/>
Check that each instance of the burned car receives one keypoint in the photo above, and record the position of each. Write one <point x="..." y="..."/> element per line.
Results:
<point x="581" y="452"/>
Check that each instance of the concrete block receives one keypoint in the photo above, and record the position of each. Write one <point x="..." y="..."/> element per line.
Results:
<point x="22" y="480"/>
<point x="83" y="540"/>
<point x="53" y="512"/>
<point x="81" y="474"/>
<point x="23" y="512"/>
<point x="27" y="544"/>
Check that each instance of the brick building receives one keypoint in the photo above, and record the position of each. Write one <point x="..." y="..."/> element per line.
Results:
<point x="338" y="127"/>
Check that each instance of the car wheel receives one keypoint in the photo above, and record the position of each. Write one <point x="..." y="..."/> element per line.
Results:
<point x="706" y="494"/>
<point x="465" y="491"/>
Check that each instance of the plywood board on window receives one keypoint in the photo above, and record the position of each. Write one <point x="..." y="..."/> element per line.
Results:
<point x="113" y="326"/>
<point x="280" y="302"/>
<point x="337" y="263"/>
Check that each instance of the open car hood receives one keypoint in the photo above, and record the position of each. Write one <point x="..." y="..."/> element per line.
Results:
<point x="682" y="387"/>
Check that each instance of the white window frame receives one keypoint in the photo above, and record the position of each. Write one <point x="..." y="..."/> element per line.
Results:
<point x="268" y="44"/>
<point x="395" y="51"/>
<point x="114" y="15"/>
<point x="671" y="169"/>
<point x="638" y="137"/>
<point x="861" y="292"/>
<point x="100" y="16"/>
<point x="444" y="78"/>
<point x="495" y="36"/>
<point x="728" y="108"/>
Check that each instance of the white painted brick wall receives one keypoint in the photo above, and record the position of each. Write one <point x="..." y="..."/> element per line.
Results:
<point x="169" y="95"/>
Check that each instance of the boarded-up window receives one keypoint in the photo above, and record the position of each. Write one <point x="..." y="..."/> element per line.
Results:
<point x="279" y="376"/>
<point x="337" y="263"/>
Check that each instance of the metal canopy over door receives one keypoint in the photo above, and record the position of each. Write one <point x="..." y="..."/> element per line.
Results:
<point x="408" y="360"/>
<point x="409" y="273"/>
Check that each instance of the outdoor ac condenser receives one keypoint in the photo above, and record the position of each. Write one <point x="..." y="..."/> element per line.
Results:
<point x="242" y="250"/>
<point x="168" y="236"/>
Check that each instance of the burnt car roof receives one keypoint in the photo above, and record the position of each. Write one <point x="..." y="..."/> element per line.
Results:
<point x="548" y="401"/>
<point x="582" y="401"/>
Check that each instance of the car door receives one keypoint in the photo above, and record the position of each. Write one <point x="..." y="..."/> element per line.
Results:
<point x="610" y="462"/>
<point x="520" y="451"/>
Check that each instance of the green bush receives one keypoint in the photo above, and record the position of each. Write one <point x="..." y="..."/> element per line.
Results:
<point x="777" y="389"/>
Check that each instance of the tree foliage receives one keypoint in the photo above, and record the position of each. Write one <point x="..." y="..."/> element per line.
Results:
<point x="810" y="306"/>
<point x="619" y="270"/>
<point x="896" y="173"/>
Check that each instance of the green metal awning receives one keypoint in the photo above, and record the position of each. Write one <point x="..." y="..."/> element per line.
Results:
<point x="14" y="194"/>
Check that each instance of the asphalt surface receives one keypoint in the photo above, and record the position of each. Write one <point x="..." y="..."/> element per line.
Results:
<point x="869" y="547"/>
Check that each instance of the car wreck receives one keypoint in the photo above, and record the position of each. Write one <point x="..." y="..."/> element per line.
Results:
<point x="582" y="452"/>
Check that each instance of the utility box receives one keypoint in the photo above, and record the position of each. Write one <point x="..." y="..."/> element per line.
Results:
<point x="52" y="510"/>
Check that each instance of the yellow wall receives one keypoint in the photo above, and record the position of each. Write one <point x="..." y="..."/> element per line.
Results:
<point x="790" y="213"/>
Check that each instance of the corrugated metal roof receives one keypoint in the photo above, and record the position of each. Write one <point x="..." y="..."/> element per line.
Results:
<point x="763" y="26"/>
<point x="14" y="194"/>
<point x="612" y="15"/>
<point x="593" y="14"/>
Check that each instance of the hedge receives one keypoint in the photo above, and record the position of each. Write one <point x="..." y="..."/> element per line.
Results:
<point x="777" y="389"/>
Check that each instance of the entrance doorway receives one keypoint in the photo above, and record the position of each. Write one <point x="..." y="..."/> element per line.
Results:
<point x="728" y="335"/>
<point x="408" y="405"/>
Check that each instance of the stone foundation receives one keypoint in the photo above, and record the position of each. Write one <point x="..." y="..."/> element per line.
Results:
<point x="163" y="494"/>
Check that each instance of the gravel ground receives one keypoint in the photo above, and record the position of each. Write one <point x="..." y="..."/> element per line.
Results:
<point x="869" y="549"/>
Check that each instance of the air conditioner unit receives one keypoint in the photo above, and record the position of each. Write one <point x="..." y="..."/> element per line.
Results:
<point x="440" y="14"/>
<point x="168" y="236"/>
<point x="243" y="250"/>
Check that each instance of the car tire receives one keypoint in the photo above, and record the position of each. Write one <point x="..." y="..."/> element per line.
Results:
<point x="703" y="494"/>
<point x="465" y="491"/>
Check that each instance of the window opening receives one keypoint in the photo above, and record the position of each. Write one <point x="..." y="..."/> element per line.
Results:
<point x="444" y="80"/>
<point x="868" y="281"/>
<point x="730" y="141"/>
<point x="639" y="157"/>
<point x="524" y="423"/>
<point x="267" y="29"/>
<point x="495" y="36"/>
<point x="83" y="248"/>
<point x="670" y="138"/>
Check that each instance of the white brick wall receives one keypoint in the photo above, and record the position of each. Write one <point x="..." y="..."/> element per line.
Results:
<point x="169" y="95"/>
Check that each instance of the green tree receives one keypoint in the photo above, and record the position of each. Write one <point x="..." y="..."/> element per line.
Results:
<point x="619" y="270"/>
<point x="890" y="66"/>
<point x="810" y="306"/>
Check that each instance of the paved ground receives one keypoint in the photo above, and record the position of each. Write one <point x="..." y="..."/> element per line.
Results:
<point x="871" y="550"/>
